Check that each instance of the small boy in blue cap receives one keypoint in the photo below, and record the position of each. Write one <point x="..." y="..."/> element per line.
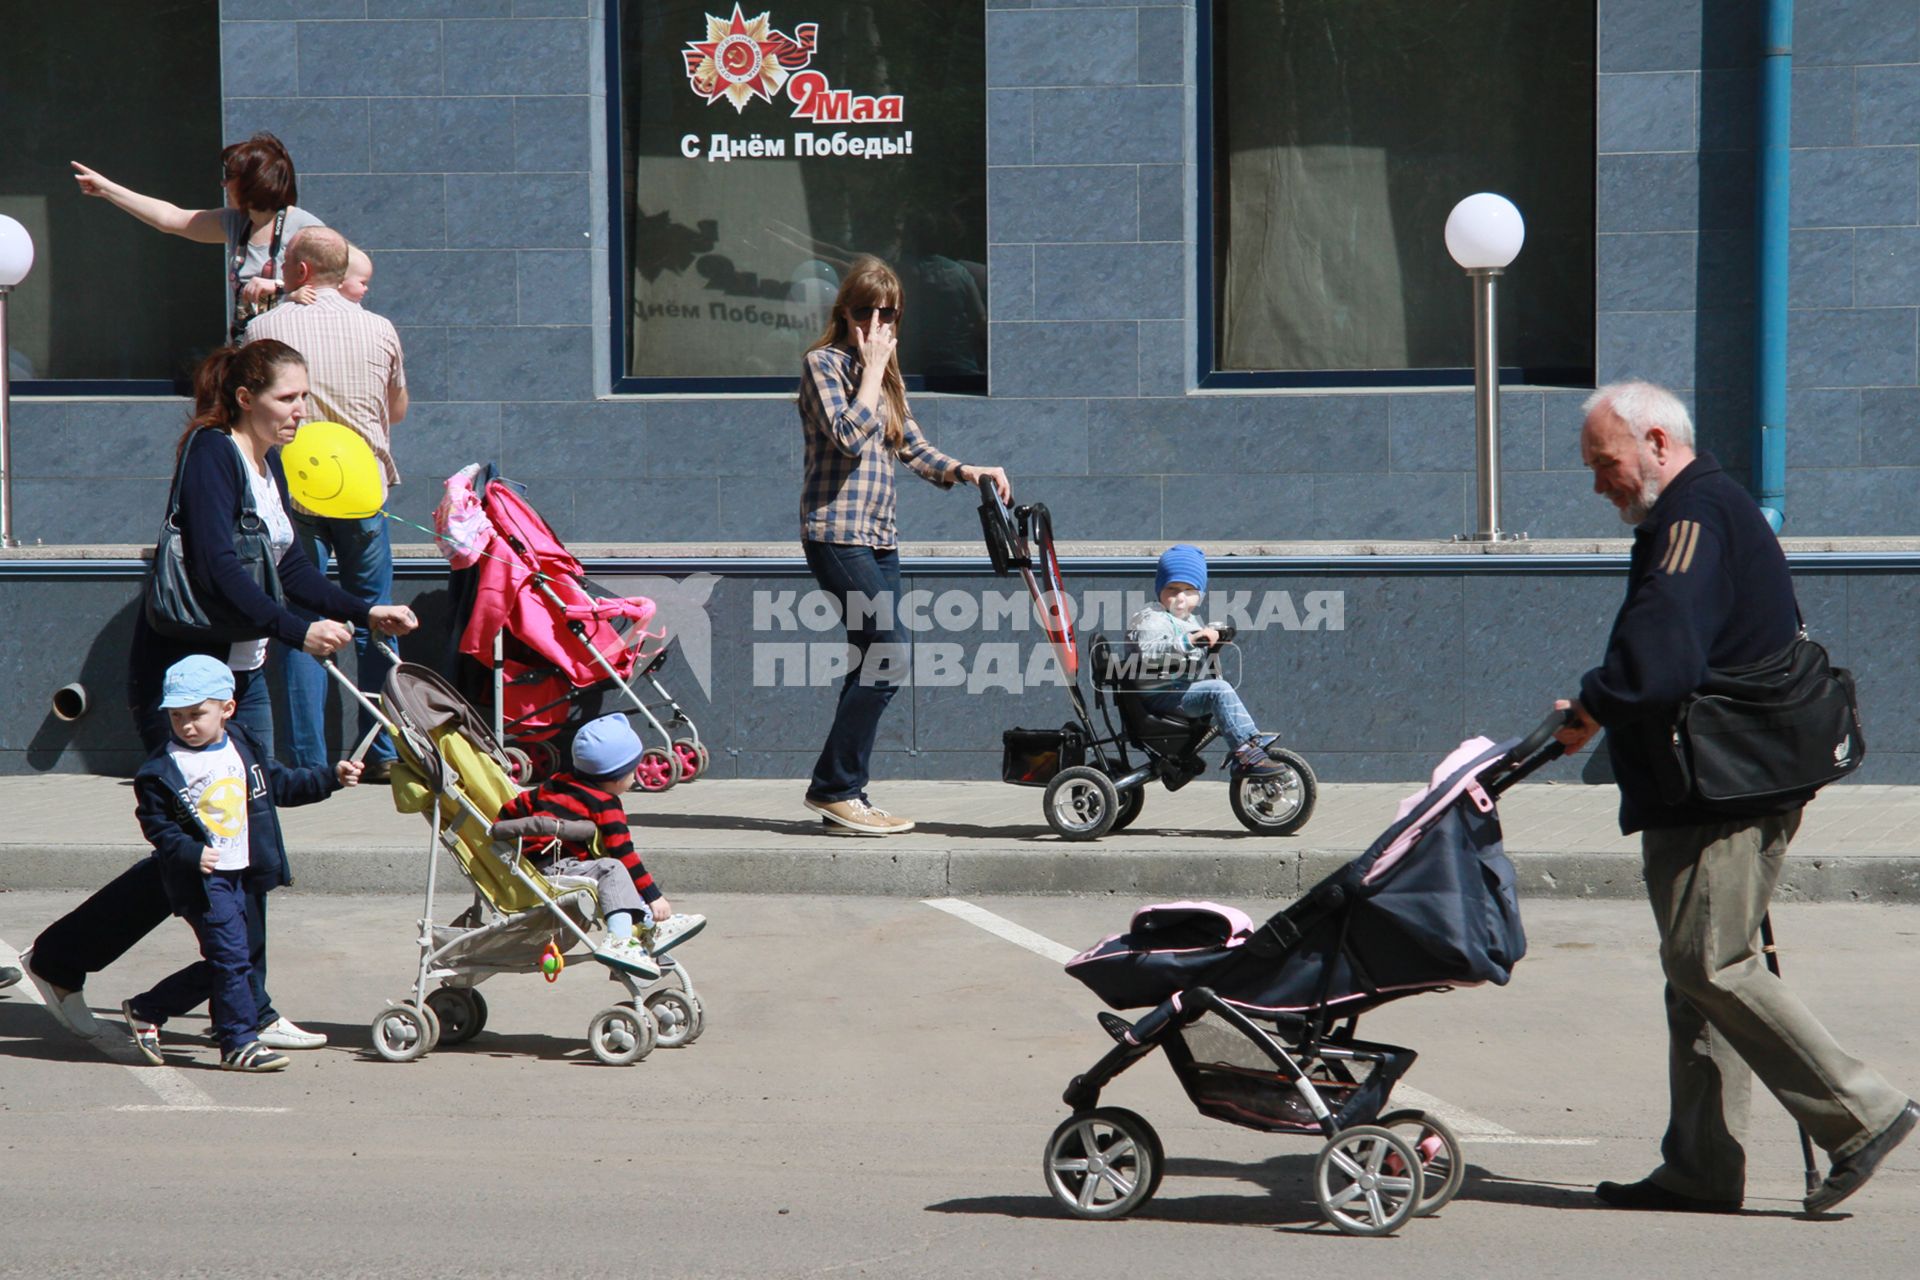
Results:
<point x="1167" y="637"/>
<point x="605" y="753"/>
<point x="206" y="803"/>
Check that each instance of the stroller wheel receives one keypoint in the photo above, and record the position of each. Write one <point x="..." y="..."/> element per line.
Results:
<point x="1104" y="1163"/>
<point x="402" y="1033"/>
<point x="1280" y="804"/>
<point x="692" y="763"/>
<point x="462" y="1012"/>
<point x="705" y="758"/>
<point x="1365" y="1181"/>
<point x="621" y="1035"/>
<point x="1442" y="1165"/>
<point x="1081" y="803"/>
<point x="658" y="769"/>
<point x="519" y="765"/>
<point x="678" y="1017"/>
<point x="1132" y="801"/>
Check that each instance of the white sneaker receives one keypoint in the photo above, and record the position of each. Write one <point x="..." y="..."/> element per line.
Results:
<point x="70" y="1010"/>
<point x="629" y="954"/>
<point x="673" y="931"/>
<point x="282" y="1034"/>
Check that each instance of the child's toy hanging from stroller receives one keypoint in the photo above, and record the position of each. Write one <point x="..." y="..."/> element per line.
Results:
<point x="1093" y="786"/>
<point x="1259" y="1023"/>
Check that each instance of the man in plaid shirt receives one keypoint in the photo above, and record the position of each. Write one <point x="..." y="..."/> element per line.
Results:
<point x="854" y="416"/>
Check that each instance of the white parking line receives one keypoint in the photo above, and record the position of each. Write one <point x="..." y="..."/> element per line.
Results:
<point x="175" y="1091"/>
<point x="1464" y="1122"/>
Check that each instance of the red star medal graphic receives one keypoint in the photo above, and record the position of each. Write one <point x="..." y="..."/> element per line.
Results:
<point x="739" y="60"/>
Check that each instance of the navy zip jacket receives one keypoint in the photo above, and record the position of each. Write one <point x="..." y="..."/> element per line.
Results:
<point x="210" y="483"/>
<point x="1707" y="586"/>
<point x="179" y="838"/>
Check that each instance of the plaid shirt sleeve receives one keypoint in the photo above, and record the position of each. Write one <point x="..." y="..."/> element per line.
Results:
<point x="928" y="462"/>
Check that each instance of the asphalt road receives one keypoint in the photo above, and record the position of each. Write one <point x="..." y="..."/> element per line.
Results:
<point x="871" y="1097"/>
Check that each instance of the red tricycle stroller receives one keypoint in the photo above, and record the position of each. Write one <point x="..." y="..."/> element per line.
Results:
<point x="1093" y="786"/>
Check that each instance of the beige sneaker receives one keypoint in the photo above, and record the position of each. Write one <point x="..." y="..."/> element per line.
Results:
<point x="856" y="817"/>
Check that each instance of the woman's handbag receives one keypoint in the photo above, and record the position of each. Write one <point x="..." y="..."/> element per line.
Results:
<point x="183" y="609"/>
<point x="1786" y="725"/>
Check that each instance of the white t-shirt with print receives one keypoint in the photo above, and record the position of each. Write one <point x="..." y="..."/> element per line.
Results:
<point x="217" y="790"/>
<point x="251" y="655"/>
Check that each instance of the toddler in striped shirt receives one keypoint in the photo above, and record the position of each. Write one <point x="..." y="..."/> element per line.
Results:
<point x="640" y="920"/>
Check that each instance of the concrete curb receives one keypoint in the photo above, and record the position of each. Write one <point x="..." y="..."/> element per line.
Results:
<point x="860" y="869"/>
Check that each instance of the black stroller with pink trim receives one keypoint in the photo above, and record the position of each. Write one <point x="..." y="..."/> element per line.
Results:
<point x="1259" y="1023"/>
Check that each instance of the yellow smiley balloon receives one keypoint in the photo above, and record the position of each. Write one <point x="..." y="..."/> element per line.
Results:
<point x="331" y="471"/>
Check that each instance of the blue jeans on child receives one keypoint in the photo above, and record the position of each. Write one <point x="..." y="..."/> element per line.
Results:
<point x="1212" y="697"/>
<point x="363" y="554"/>
<point x="232" y="908"/>
<point x="223" y="972"/>
<point x="873" y="576"/>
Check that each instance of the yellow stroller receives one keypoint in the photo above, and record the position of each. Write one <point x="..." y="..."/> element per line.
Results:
<point x="451" y="768"/>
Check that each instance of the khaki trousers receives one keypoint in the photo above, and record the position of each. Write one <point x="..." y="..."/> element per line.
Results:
<point x="1726" y="1013"/>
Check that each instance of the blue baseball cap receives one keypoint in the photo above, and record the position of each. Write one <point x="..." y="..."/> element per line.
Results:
<point x="192" y="680"/>
<point x="606" y="747"/>
<point x="1183" y="562"/>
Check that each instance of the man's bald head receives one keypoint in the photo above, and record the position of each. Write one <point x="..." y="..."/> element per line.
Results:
<point x="317" y="256"/>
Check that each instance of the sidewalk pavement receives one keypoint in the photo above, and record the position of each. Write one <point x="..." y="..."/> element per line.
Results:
<point x="1858" y="843"/>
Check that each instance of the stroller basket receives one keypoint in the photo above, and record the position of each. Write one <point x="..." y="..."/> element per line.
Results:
<point x="1229" y="1079"/>
<point x="1031" y="757"/>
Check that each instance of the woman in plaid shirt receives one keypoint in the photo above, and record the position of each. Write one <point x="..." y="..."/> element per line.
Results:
<point x="853" y="412"/>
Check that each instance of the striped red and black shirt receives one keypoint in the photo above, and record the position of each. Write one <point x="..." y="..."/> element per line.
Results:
<point x="568" y="798"/>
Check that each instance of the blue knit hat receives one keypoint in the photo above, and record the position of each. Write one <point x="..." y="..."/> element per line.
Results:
<point x="606" y="748"/>
<point x="1182" y="562"/>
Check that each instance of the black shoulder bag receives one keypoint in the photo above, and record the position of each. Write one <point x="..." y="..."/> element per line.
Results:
<point x="183" y="609"/>
<point x="1767" y="731"/>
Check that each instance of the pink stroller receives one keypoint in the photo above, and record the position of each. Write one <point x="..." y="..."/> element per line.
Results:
<point x="557" y="649"/>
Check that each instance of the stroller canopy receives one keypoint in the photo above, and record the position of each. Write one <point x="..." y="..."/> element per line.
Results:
<point x="1432" y="903"/>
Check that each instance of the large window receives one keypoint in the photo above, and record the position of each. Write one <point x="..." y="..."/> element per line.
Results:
<point x="1343" y="133"/>
<point x="132" y="88"/>
<point x="763" y="146"/>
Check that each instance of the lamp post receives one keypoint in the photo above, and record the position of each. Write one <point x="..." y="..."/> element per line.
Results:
<point x="1484" y="234"/>
<point x="16" y="259"/>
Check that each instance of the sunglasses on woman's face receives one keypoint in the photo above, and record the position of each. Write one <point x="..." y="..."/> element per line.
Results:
<point x="887" y="314"/>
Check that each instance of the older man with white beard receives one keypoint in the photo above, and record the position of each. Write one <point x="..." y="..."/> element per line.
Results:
<point x="1708" y="589"/>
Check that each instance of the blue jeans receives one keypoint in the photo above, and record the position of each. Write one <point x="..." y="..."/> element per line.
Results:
<point x="1215" y="698"/>
<point x="363" y="554"/>
<point x="233" y="940"/>
<point x="865" y="582"/>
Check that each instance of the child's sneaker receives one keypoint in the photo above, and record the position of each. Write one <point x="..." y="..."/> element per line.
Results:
<point x="1252" y="761"/>
<point x="630" y="954"/>
<point x="256" y="1057"/>
<point x="673" y="931"/>
<point x="146" y="1035"/>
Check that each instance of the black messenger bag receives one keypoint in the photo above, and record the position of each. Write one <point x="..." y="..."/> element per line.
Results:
<point x="1768" y="730"/>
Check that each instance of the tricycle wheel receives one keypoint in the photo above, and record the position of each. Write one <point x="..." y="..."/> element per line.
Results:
<point x="1132" y="801"/>
<point x="1279" y="804"/>
<point x="1081" y="803"/>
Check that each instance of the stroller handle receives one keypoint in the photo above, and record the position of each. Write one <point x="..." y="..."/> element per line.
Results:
<point x="1536" y="749"/>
